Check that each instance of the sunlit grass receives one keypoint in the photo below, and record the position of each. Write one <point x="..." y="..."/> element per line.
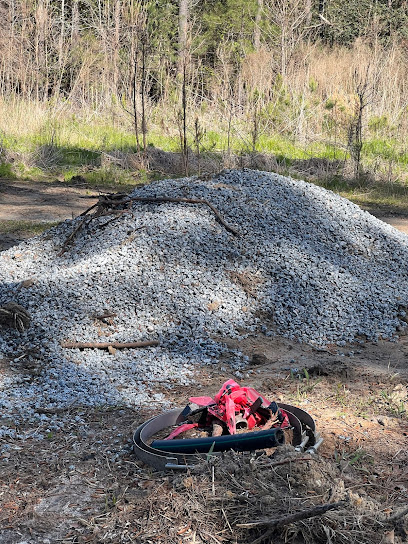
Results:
<point x="380" y="196"/>
<point x="49" y="141"/>
<point x="25" y="227"/>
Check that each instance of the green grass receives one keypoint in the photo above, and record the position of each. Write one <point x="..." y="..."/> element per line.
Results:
<point x="388" y="150"/>
<point x="25" y="227"/>
<point x="50" y="143"/>
<point x="109" y="177"/>
<point x="372" y="196"/>
<point x="6" y="171"/>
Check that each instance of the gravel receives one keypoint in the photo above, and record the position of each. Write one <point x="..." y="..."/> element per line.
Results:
<point x="307" y="264"/>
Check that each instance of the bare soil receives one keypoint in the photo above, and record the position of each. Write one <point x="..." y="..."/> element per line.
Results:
<point x="400" y="223"/>
<point x="85" y="485"/>
<point x="38" y="203"/>
<point x="42" y="201"/>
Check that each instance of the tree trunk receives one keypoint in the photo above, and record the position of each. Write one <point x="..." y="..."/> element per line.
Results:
<point x="184" y="7"/>
<point x="308" y="10"/>
<point x="116" y="42"/>
<point x="257" y="28"/>
<point x="74" y="22"/>
<point x="61" y="52"/>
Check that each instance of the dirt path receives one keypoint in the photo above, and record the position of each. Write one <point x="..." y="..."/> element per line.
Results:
<point x="25" y="207"/>
<point x="41" y="202"/>
<point x="400" y="223"/>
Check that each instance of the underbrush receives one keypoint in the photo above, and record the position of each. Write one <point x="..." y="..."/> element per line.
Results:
<point x="41" y="141"/>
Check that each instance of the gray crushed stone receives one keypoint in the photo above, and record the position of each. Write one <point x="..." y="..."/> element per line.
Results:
<point x="308" y="265"/>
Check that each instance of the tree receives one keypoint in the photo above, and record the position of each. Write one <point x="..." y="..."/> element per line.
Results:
<point x="287" y="28"/>
<point x="183" y="17"/>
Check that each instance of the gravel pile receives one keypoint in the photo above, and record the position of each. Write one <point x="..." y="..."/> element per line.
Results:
<point x="308" y="265"/>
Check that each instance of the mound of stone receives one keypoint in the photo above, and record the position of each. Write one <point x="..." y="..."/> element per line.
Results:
<point x="306" y="264"/>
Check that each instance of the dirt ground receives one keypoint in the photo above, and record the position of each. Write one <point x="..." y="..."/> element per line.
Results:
<point x="85" y="485"/>
<point x="39" y="203"/>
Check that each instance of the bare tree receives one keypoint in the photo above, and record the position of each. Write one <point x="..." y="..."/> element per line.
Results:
<point x="41" y="54"/>
<point x="61" y="50"/>
<point x="257" y="27"/>
<point x="287" y="27"/>
<point x="363" y="93"/>
<point x="116" y="43"/>
<point x="184" y="10"/>
<point x="74" y="21"/>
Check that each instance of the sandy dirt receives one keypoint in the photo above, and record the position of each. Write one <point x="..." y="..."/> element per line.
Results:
<point x="400" y="223"/>
<point x="72" y="488"/>
<point x="42" y="201"/>
<point x="38" y="203"/>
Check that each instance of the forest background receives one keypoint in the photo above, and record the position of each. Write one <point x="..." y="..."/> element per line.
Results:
<point x="122" y="91"/>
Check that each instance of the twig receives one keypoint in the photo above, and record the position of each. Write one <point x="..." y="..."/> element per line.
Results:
<point x="106" y="345"/>
<point x="110" y="204"/>
<point x="186" y="201"/>
<point x="226" y="519"/>
<point x="290" y="460"/>
<point x="297" y="516"/>
<point x="90" y="208"/>
<point x="104" y="315"/>
<point x="263" y="537"/>
<point x="118" y="215"/>
<point x="86" y="219"/>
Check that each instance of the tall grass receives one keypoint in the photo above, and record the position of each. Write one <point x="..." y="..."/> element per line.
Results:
<point x="306" y="115"/>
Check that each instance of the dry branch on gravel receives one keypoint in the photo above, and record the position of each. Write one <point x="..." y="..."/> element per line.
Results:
<point x="14" y="315"/>
<point x="107" y="345"/>
<point x="119" y="203"/>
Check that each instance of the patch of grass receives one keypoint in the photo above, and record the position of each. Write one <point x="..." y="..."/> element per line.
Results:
<point x="372" y="196"/>
<point x="108" y="177"/>
<point x="32" y="173"/>
<point x="340" y="394"/>
<point x="76" y="156"/>
<point x="25" y="227"/>
<point x="6" y="171"/>
<point x="357" y="458"/>
<point x="387" y="149"/>
<point x="115" y="178"/>
<point x="393" y="403"/>
<point x="49" y="142"/>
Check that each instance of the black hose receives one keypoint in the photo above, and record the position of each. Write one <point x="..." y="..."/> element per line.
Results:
<point x="238" y="442"/>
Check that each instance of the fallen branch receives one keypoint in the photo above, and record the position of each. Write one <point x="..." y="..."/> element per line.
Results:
<point x="396" y="515"/>
<point x="107" y="345"/>
<point x="118" y="203"/>
<point x="104" y="315"/>
<point x="86" y="219"/>
<point x="159" y="199"/>
<point x="297" y="516"/>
